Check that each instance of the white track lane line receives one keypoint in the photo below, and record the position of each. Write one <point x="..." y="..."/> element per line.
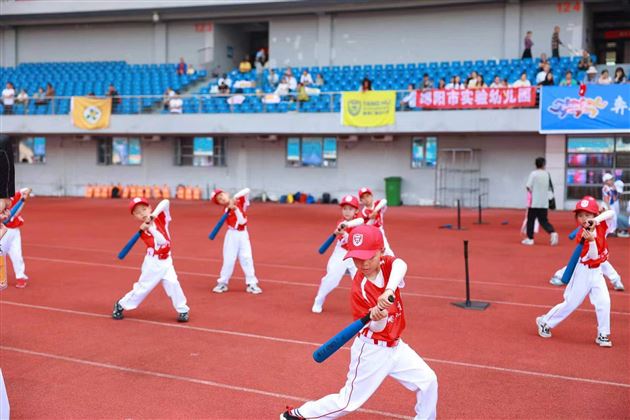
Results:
<point x="422" y="295"/>
<point x="313" y="344"/>
<point x="205" y="382"/>
<point x="320" y="269"/>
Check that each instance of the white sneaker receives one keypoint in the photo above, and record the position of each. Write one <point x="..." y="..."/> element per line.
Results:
<point x="527" y="241"/>
<point x="618" y="285"/>
<point x="317" y="307"/>
<point x="603" y="341"/>
<point x="220" y="288"/>
<point x="556" y="281"/>
<point x="253" y="289"/>
<point x="623" y="234"/>
<point x="543" y="329"/>
<point x="553" y="241"/>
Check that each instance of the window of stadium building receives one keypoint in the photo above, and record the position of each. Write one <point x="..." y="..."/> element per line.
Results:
<point x="30" y="150"/>
<point x="423" y="152"/>
<point x="120" y="151"/>
<point x="589" y="158"/>
<point x="312" y="151"/>
<point x="200" y="151"/>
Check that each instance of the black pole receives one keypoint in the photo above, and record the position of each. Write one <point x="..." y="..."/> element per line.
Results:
<point x="479" y="208"/>
<point x="467" y="275"/>
<point x="459" y="216"/>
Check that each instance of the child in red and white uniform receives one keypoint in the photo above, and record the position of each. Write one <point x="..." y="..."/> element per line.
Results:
<point x="378" y="351"/>
<point x="374" y="218"/>
<point x="11" y="241"/>
<point x="587" y="278"/>
<point x="158" y="263"/>
<point x="337" y="266"/>
<point x="236" y="243"/>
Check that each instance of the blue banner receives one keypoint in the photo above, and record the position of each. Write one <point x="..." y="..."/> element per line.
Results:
<point x="602" y="109"/>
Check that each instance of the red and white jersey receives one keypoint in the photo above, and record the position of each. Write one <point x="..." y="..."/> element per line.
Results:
<point x="365" y="295"/>
<point x="366" y="212"/>
<point x="242" y="203"/>
<point x="602" y="246"/>
<point x="157" y="238"/>
<point x="342" y="240"/>
<point x="17" y="221"/>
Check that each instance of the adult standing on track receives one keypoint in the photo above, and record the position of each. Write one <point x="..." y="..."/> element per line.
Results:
<point x="540" y="186"/>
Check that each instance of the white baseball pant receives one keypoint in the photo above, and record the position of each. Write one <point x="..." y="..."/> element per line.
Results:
<point x="585" y="281"/>
<point x="607" y="270"/>
<point x="11" y="245"/>
<point x="335" y="269"/>
<point x="237" y="245"/>
<point x="370" y="364"/>
<point x="155" y="271"/>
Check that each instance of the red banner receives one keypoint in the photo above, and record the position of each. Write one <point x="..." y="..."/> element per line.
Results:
<point x="476" y="98"/>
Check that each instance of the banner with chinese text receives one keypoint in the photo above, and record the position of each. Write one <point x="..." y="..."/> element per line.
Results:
<point x="374" y="108"/>
<point x="602" y="109"/>
<point x="476" y="98"/>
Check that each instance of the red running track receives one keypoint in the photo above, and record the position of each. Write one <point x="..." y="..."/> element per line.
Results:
<point x="244" y="356"/>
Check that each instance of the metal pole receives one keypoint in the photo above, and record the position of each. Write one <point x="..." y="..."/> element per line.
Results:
<point x="467" y="275"/>
<point x="459" y="215"/>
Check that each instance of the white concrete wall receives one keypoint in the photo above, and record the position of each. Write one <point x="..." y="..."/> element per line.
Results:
<point x="184" y="41"/>
<point x="294" y="41"/>
<point x="506" y="160"/>
<point x="229" y="36"/>
<point x="132" y="42"/>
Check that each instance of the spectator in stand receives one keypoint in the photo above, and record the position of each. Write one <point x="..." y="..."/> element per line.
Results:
<point x="441" y="84"/>
<point x="527" y="52"/>
<point x="50" y="92"/>
<point x="113" y="93"/>
<point x="181" y="67"/>
<point x="426" y="83"/>
<point x="542" y="75"/>
<point x="604" y="79"/>
<point x="226" y="81"/>
<point x="291" y="80"/>
<point x="91" y="94"/>
<point x="260" y="70"/>
<point x="191" y="70"/>
<point x="585" y="61"/>
<point x="481" y="83"/>
<point x="458" y="83"/>
<point x="8" y="98"/>
<point x="302" y="96"/>
<point x="168" y="94"/>
<point x="224" y="89"/>
<point x="555" y="42"/>
<point x="366" y="84"/>
<point x="504" y="83"/>
<point x="591" y="76"/>
<point x="543" y="60"/>
<point x="175" y="104"/>
<point x="522" y="81"/>
<point x="273" y="78"/>
<point x="261" y="56"/>
<point x="620" y="76"/>
<point x="306" y="79"/>
<point x="471" y="82"/>
<point x="568" y="79"/>
<point x="409" y="101"/>
<point x="549" y="80"/>
<point x="319" y="80"/>
<point x="40" y="97"/>
<point x="22" y="98"/>
<point x="283" y="87"/>
<point x="496" y="83"/>
<point x="245" y="66"/>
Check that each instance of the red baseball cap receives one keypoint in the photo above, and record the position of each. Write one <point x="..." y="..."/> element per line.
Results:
<point x="364" y="190"/>
<point x="587" y="204"/>
<point x="349" y="200"/>
<point x="215" y="194"/>
<point x="135" y="201"/>
<point x="364" y="241"/>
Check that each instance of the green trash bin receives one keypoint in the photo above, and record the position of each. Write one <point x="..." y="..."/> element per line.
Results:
<point x="392" y="190"/>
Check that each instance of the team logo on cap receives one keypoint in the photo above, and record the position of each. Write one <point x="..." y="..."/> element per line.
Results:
<point x="357" y="239"/>
<point x="584" y="203"/>
<point x="348" y="198"/>
<point x="137" y="200"/>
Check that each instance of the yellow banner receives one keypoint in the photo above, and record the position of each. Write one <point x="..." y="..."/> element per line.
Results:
<point x="91" y="113"/>
<point x="373" y="108"/>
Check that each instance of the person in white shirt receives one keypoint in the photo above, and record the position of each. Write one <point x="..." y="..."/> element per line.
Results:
<point x="306" y="78"/>
<point x="522" y="82"/>
<point x="8" y="98"/>
<point x="175" y="104"/>
<point x="225" y="80"/>
<point x="471" y="82"/>
<point x="273" y="78"/>
<point x="283" y="87"/>
<point x="496" y="83"/>
<point x="604" y="79"/>
<point x="22" y="98"/>
<point x="409" y="101"/>
<point x="542" y="75"/>
<point x="540" y="187"/>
